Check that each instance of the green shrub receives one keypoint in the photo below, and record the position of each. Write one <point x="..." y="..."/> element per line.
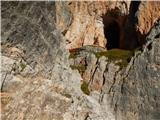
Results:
<point x="84" y="88"/>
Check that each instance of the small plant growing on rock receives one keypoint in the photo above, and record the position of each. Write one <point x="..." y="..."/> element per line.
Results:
<point x="22" y="65"/>
<point x="84" y="88"/>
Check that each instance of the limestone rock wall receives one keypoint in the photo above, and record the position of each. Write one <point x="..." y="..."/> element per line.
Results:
<point x="86" y="26"/>
<point x="85" y="21"/>
<point x="31" y="40"/>
<point x="37" y="66"/>
<point x="148" y="13"/>
<point x="131" y="92"/>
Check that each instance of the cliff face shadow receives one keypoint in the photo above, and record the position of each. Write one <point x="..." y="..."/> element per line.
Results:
<point x="120" y="29"/>
<point x="112" y="34"/>
<point x="112" y="28"/>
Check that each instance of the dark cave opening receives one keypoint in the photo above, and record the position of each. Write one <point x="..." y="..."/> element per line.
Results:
<point x="120" y="29"/>
<point x="112" y="34"/>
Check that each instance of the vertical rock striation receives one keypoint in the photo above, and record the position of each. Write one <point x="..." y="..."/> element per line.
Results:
<point x="37" y="70"/>
<point x="90" y="23"/>
<point x="47" y="93"/>
<point x="131" y="92"/>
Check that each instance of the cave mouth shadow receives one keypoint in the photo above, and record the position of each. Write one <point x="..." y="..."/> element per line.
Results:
<point x="112" y="34"/>
<point x="120" y="29"/>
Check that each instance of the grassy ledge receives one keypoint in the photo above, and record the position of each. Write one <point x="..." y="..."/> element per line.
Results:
<point x="123" y="56"/>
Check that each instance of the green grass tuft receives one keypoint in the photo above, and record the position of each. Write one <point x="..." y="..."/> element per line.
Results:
<point x="22" y="65"/>
<point x="84" y="88"/>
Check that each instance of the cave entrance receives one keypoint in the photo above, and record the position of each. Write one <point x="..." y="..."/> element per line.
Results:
<point x="111" y="32"/>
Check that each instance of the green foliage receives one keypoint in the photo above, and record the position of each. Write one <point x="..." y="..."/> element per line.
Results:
<point x="84" y="88"/>
<point x="22" y="65"/>
<point x="81" y="68"/>
<point x="123" y="56"/>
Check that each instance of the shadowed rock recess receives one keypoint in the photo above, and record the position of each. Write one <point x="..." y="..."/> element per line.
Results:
<point x="80" y="60"/>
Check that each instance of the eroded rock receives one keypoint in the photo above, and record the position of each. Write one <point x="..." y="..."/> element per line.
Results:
<point x="53" y="90"/>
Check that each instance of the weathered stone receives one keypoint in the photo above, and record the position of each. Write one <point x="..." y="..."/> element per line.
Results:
<point x="49" y="89"/>
<point x="43" y="49"/>
<point x="32" y="32"/>
<point x="86" y="27"/>
<point x="97" y="79"/>
<point x="88" y="23"/>
<point x="148" y="13"/>
<point x="135" y="94"/>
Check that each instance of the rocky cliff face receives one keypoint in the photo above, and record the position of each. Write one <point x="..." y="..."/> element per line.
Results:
<point x="41" y="79"/>
<point x="36" y="62"/>
<point x="131" y="91"/>
<point x="85" y="26"/>
<point x="90" y="23"/>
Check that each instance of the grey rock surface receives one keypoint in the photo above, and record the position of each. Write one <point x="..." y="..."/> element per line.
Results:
<point x="49" y="89"/>
<point x="129" y="93"/>
<point x="25" y="26"/>
<point x="33" y="32"/>
<point x="136" y="93"/>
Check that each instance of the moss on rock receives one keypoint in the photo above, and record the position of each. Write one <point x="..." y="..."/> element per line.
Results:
<point x="23" y="66"/>
<point x="81" y="68"/>
<point x="84" y="88"/>
<point x="123" y="56"/>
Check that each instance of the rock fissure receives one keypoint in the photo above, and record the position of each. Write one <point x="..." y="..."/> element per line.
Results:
<point x="114" y="81"/>
<point x="92" y="76"/>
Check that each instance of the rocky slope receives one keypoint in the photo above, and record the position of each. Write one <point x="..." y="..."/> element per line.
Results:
<point x="41" y="79"/>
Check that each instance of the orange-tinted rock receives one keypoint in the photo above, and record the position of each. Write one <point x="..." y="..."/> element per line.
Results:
<point x="83" y="23"/>
<point x="87" y="26"/>
<point x="148" y="14"/>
